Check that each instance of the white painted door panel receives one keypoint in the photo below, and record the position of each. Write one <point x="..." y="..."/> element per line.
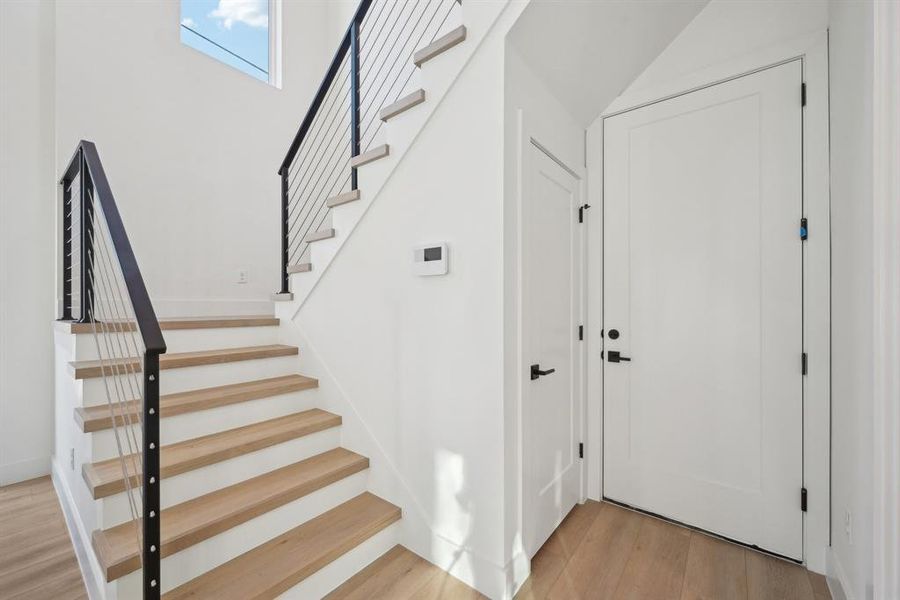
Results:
<point x="551" y="309"/>
<point x="703" y="281"/>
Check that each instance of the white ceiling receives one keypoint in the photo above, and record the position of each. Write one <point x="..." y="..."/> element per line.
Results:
<point x="589" y="51"/>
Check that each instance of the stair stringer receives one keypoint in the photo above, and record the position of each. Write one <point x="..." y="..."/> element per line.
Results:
<point x="437" y="77"/>
<point x="415" y="529"/>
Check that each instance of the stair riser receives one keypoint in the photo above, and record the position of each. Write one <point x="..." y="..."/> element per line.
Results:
<point x="334" y="574"/>
<point x="191" y="562"/>
<point x="183" y="340"/>
<point x="193" y="378"/>
<point x="183" y="487"/>
<point x="196" y="424"/>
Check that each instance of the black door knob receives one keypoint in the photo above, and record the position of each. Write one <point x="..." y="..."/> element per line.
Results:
<point x="536" y="371"/>
<point x="615" y="356"/>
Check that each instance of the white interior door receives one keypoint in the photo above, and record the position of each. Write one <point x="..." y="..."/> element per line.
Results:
<point x="551" y="311"/>
<point x="703" y="287"/>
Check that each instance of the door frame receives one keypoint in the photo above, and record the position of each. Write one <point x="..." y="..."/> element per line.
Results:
<point x="530" y="137"/>
<point x="812" y="51"/>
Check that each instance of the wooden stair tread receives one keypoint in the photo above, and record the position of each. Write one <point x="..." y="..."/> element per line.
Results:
<point x="201" y="518"/>
<point x="322" y="234"/>
<point x="173" y="323"/>
<point x="439" y="46"/>
<point x="344" y="198"/>
<point x="97" y="418"/>
<point x="370" y="155"/>
<point x="281" y="563"/>
<point x="105" y="478"/>
<point x="304" y="267"/>
<point x="399" y="574"/>
<point x="86" y="369"/>
<point x="402" y="105"/>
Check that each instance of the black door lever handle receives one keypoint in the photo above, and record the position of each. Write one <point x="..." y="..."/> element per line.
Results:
<point x="615" y="356"/>
<point x="536" y="371"/>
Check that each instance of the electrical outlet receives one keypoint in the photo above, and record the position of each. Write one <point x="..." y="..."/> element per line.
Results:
<point x="72" y="458"/>
<point x="848" y="526"/>
<point x="243" y="276"/>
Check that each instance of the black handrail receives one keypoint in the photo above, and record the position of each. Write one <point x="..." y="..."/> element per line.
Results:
<point x="330" y="74"/>
<point x="350" y="42"/>
<point x="94" y="185"/>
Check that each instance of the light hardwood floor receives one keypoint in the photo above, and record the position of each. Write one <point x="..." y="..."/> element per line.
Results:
<point x="604" y="551"/>
<point x="36" y="556"/>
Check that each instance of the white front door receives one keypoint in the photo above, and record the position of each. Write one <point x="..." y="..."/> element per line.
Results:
<point x="551" y="312"/>
<point x="703" y="293"/>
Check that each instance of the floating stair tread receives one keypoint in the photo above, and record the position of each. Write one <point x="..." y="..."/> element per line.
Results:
<point x="440" y="45"/>
<point x="343" y="198"/>
<point x="402" y="105"/>
<point x="400" y="575"/>
<point x="174" y="323"/>
<point x="97" y="418"/>
<point x="300" y="268"/>
<point x="370" y="155"/>
<point x="322" y="234"/>
<point x="201" y="518"/>
<point x="86" y="369"/>
<point x="105" y="478"/>
<point x="283" y="562"/>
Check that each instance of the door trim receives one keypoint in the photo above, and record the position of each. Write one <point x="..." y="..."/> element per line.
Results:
<point x="527" y="139"/>
<point x="812" y="50"/>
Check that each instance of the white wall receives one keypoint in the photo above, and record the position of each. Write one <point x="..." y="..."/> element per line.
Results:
<point x="728" y="29"/>
<point x="413" y="364"/>
<point x="27" y="260"/>
<point x="851" y="34"/>
<point x="191" y="146"/>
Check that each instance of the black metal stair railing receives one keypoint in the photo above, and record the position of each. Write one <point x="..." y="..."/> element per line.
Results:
<point x="102" y="286"/>
<point x="370" y="70"/>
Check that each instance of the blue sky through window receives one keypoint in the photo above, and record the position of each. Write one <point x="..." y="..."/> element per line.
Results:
<point x="235" y="32"/>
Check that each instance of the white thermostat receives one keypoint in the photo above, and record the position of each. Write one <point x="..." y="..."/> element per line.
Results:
<point x="430" y="260"/>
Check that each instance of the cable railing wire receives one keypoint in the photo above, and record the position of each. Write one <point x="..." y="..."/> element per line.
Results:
<point x="102" y="286"/>
<point x="371" y="69"/>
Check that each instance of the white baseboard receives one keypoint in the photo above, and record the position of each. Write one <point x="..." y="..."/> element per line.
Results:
<point x="81" y="540"/>
<point x="211" y="307"/>
<point x="24" y="470"/>
<point x="836" y="577"/>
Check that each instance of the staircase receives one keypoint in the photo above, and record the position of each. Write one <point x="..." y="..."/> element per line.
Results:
<point x="248" y="492"/>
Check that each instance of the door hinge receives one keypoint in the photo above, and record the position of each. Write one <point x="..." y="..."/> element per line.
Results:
<point x="803" y="362"/>
<point x="804" y="229"/>
<point x="580" y="449"/>
<point x="802" y="94"/>
<point x="581" y="210"/>
<point x="580" y="333"/>
<point x="803" y="499"/>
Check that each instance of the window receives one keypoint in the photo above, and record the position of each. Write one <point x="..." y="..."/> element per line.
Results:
<point x="240" y="33"/>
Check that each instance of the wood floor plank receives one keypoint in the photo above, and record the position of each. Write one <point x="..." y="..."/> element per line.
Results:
<point x="599" y="561"/>
<point x="87" y="369"/>
<point x="551" y="559"/>
<point x="106" y="478"/>
<point x="97" y="418"/>
<point x="819" y="586"/>
<point x="281" y="563"/>
<point x="655" y="569"/>
<point x="398" y="573"/>
<point x="201" y="518"/>
<point x="770" y="578"/>
<point x="37" y="560"/>
<point x="715" y="569"/>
